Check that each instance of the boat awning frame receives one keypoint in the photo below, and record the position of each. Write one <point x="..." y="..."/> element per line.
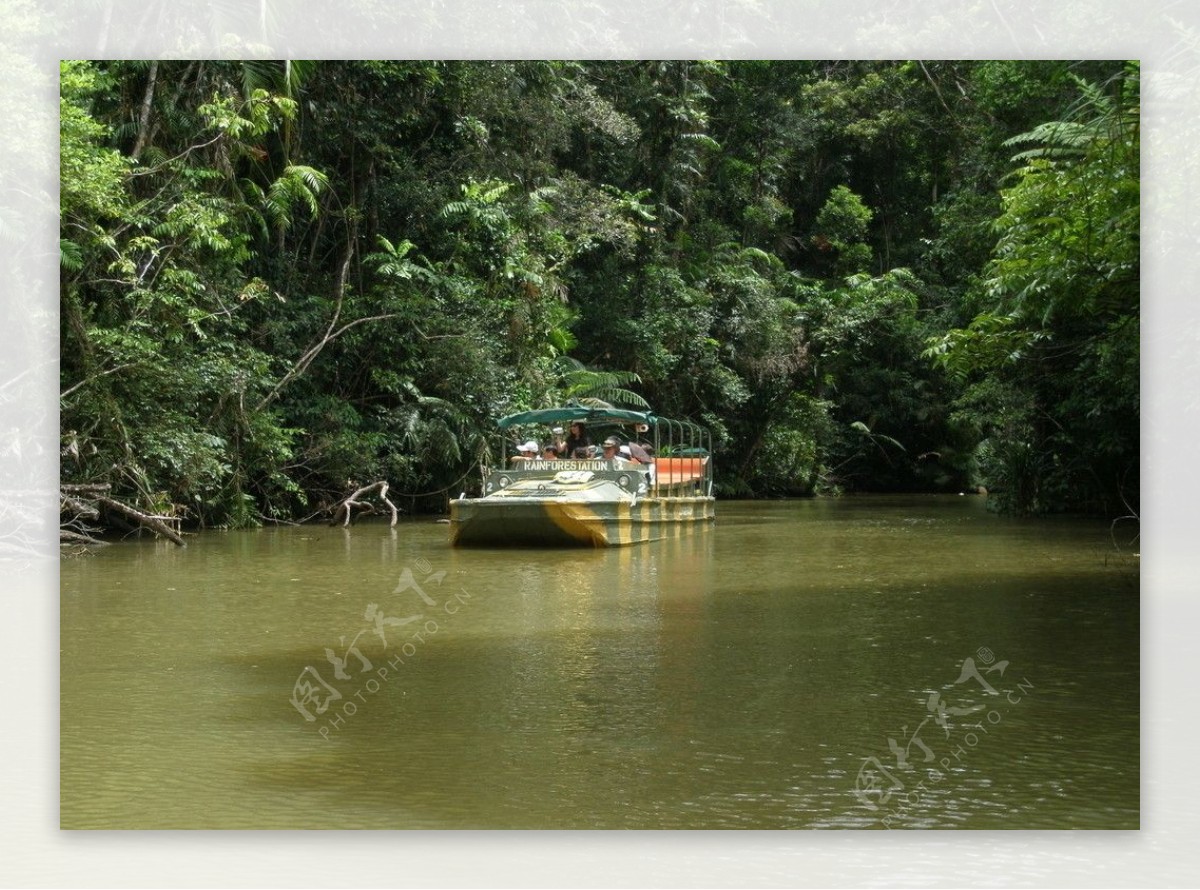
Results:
<point x="572" y="413"/>
<point x="687" y="444"/>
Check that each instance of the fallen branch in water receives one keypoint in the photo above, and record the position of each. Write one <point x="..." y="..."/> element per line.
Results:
<point x="73" y="509"/>
<point x="81" y="509"/>
<point x="154" y="523"/>
<point x="344" y="511"/>
<point x="66" y="537"/>
<point x="84" y="502"/>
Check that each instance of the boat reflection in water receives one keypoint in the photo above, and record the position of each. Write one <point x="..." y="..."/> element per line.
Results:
<point x="599" y="501"/>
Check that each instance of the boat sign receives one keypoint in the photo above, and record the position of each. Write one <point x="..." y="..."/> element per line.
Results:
<point x="566" y="465"/>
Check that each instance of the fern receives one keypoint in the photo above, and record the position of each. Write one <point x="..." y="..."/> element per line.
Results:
<point x="599" y="389"/>
<point x="70" y="255"/>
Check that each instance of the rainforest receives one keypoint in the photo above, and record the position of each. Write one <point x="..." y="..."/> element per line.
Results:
<point x="284" y="281"/>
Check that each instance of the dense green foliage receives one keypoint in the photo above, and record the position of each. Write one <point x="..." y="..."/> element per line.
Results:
<point x="279" y="280"/>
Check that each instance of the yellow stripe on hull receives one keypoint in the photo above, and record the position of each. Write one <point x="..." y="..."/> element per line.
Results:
<point x="545" y="522"/>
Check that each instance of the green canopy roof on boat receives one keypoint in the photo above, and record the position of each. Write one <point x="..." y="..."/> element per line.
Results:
<point x="572" y="413"/>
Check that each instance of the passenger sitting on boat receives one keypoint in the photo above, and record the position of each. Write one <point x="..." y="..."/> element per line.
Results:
<point x="549" y="453"/>
<point x="624" y="452"/>
<point x="528" y="451"/>
<point x="611" y="444"/>
<point x="577" y="439"/>
<point x="584" y="452"/>
<point x="643" y="433"/>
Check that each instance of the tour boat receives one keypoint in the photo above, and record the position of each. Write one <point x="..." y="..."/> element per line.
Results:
<point x="594" y="500"/>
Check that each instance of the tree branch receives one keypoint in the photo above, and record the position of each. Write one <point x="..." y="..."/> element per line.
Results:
<point x="66" y="536"/>
<point x="330" y="333"/>
<point x="87" y="380"/>
<point x="183" y="154"/>
<point x="351" y="503"/>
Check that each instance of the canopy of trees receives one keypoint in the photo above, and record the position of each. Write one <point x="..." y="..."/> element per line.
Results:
<point x="284" y="281"/>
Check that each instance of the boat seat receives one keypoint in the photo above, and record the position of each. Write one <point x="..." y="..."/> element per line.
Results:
<point x="677" y="470"/>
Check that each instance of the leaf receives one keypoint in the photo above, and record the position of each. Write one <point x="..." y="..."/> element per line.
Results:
<point x="70" y="255"/>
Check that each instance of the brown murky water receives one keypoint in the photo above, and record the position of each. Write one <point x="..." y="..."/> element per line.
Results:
<point x="863" y="662"/>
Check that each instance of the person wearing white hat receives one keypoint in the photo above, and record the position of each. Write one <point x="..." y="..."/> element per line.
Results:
<point x="527" y="451"/>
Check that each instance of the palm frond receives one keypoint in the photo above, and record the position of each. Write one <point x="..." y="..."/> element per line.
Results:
<point x="601" y="389"/>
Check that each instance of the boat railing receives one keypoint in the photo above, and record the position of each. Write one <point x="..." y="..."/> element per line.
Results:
<point x="683" y="462"/>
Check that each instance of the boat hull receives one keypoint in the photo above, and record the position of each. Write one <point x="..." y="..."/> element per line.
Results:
<point x="550" y="522"/>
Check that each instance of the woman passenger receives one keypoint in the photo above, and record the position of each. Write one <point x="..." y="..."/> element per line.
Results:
<point x="577" y="439"/>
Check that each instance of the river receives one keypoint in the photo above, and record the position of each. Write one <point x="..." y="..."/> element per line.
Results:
<point x="863" y="662"/>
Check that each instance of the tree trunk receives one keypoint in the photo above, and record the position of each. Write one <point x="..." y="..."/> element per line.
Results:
<point x="144" y="118"/>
